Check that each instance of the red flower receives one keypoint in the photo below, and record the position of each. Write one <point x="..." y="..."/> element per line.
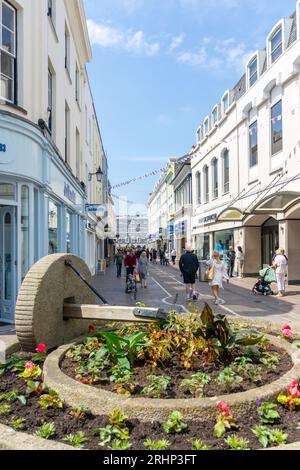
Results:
<point x="222" y="405"/>
<point x="293" y="389"/>
<point x="41" y="348"/>
<point x="92" y="327"/>
<point x="286" y="327"/>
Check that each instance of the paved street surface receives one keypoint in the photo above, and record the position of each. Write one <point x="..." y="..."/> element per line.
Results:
<point x="166" y="289"/>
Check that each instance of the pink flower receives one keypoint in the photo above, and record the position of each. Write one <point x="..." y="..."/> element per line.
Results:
<point x="287" y="333"/>
<point x="41" y="348"/>
<point x="29" y="365"/>
<point x="286" y="327"/>
<point x="92" y="327"/>
<point x="293" y="389"/>
<point x="222" y="405"/>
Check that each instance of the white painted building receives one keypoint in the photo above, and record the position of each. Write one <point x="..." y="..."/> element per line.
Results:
<point x="132" y="229"/>
<point x="182" y="187"/>
<point x="46" y="148"/>
<point x="246" y="166"/>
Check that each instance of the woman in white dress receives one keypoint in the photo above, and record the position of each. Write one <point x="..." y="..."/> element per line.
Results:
<point x="280" y="264"/>
<point x="219" y="273"/>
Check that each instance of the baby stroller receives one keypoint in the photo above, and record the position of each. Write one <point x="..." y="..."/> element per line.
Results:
<point x="131" y="284"/>
<point x="263" y="284"/>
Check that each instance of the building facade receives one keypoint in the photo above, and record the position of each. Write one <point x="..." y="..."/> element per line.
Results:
<point x="132" y="229"/>
<point x="246" y="166"/>
<point x="161" y="209"/>
<point x="182" y="186"/>
<point x="46" y="139"/>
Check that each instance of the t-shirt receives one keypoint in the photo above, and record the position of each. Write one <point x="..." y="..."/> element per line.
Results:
<point x="119" y="259"/>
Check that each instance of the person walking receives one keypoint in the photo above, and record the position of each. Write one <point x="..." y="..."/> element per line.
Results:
<point x="143" y="266"/>
<point x="173" y="256"/>
<point x="119" y="261"/>
<point x="130" y="263"/>
<point x="240" y="260"/>
<point x="154" y="256"/>
<point x="280" y="264"/>
<point x="162" y="256"/>
<point x="217" y="272"/>
<point x="231" y="256"/>
<point x="189" y="265"/>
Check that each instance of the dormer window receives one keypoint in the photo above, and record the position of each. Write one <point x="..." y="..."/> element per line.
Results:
<point x="215" y="115"/>
<point x="276" y="45"/>
<point x="253" y="71"/>
<point x="225" y="103"/>
<point x="206" y="126"/>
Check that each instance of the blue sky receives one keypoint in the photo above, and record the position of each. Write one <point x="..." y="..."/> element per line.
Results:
<point x="158" y="68"/>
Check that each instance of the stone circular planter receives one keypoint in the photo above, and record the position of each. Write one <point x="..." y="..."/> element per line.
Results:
<point x="101" y="401"/>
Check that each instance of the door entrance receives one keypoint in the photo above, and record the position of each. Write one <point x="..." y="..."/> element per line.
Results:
<point x="270" y="241"/>
<point x="7" y="264"/>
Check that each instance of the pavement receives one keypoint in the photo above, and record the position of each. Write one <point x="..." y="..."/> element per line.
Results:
<point x="166" y="290"/>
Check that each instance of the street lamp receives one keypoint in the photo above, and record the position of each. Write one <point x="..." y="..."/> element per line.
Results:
<point x="99" y="174"/>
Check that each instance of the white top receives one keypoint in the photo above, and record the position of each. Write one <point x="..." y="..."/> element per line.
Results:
<point x="220" y="273"/>
<point x="281" y="264"/>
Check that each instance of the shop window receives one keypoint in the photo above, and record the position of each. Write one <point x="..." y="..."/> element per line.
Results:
<point x="253" y="144"/>
<point x="69" y="224"/>
<point x="36" y="224"/>
<point x="8" y="247"/>
<point x="8" y="53"/>
<point x="276" y="128"/>
<point x="24" y="231"/>
<point x="53" y="228"/>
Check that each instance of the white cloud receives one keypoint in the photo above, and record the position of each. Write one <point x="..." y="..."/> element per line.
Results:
<point x="108" y="36"/>
<point x="177" y="41"/>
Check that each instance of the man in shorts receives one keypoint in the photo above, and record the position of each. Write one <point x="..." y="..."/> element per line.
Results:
<point x="189" y="266"/>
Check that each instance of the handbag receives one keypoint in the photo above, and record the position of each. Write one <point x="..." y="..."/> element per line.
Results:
<point x="210" y="274"/>
<point x="137" y="277"/>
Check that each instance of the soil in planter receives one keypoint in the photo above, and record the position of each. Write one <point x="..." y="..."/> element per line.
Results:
<point x="175" y="370"/>
<point x="65" y="424"/>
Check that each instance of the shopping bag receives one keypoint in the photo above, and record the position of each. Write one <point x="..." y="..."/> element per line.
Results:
<point x="137" y="277"/>
<point x="210" y="274"/>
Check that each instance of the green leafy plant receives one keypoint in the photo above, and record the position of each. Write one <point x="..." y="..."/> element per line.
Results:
<point x="195" y="385"/>
<point x="51" y="400"/>
<point x="270" y="360"/>
<point x="268" y="413"/>
<point x="268" y="436"/>
<point x="117" y="418"/>
<point x="199" y="445"/>
<point x="160" y="444"/>
<point x="175" y="423"/>
<point x="120" y="374"/>
<point x="120" y="445"/>
<point x="81" y="412"/>
<point x="123" y="350"/>
<point x="237" y="443"/>
<point x="18" y="424"/>
<point x="46" y="431"/>
<point x="228" y="378"/>
<point x="158" y="384"/>
<point x="5" y="409"/>
<point x="13" y="396"/>
<point x="76" y="440"/>
<point x="31" y="371"/>
<point x="34" y="387"/>
<point x="110" y="432"/>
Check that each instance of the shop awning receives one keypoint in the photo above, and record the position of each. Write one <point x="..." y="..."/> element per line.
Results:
<point x="277" y="203"/>
<point x="231" y="214"/>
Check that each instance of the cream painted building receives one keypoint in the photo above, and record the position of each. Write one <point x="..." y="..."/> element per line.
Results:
<point x="47" y="139"/>
<point x="246" y="165"/>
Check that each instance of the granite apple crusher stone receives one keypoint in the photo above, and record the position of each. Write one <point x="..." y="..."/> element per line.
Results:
<point x="57" y="301"/>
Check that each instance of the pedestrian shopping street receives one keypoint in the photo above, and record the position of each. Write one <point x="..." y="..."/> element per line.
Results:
<point x="166" y="290"/>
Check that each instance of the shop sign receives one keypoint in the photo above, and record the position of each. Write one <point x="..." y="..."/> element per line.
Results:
<point x="209" y="219"/>
<point x="2" y="148"/>
<point x="69" y="193"/>
<point x="171" y="229"/>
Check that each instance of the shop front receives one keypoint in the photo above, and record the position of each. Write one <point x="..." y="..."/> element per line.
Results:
<point x="41" y="207"/>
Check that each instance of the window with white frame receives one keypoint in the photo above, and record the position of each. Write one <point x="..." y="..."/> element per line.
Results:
<point x="226" y="171"/>
<point x="215" y="115"/>
<point x="276" y="45"/>
<point x="253" y="143"/>
<point x="8" y="53"/>
<point x="225" y="102"/>
<point x="67" y="49"/>
<point x="198" y="188"/>
<point x="206" y="184"/>
<point x="215" y="178"/>
<point x="206" y="126"/>
<point x="67" y="133"/>
<point x="50" y="99"/>
<point x="77" y="89"/>
<point x="253" y="71"/>
<point x="276" y="128"/>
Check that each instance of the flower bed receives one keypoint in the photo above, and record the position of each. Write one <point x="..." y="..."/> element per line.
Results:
<point x="27" y="406"/>
<point x="192" y="357"/>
